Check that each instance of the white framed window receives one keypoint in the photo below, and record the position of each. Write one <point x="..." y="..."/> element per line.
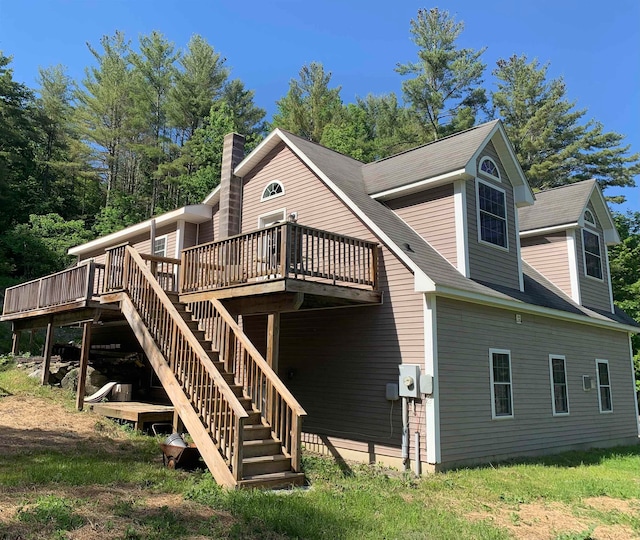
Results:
<point x="501" y="386"/>
<point x="604" y="386"/>
<point x="592" y="255"/>
<point x="589" y="217"/>
<point x="492" y="215"/>
<point x="489" y="167"/>
<point x="272" y="190"/>
<point x="160" y="246"/>
<point x="559" y="388"/>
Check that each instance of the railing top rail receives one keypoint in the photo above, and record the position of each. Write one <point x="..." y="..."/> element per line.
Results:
<point x="157" y="258"/>
<point x="230" y="397"/>
<point x="369" y="243"/>
<point x="117" y="246"/>
<point x="65" y="271"/>
<point x="260" y="361"/>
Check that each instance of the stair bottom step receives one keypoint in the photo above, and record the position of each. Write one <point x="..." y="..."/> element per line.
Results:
<point x="273" y="480"/>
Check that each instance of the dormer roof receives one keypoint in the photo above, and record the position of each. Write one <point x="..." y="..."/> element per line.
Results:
<point x="443" y="161"/>
<point x="563" y="208"/>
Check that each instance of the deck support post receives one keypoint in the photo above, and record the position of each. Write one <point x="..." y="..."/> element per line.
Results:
<point x="15" y="343"/>
<point x="48" y="347"/>
<point x="84" y="362"/>
<point x="273" y="340"/>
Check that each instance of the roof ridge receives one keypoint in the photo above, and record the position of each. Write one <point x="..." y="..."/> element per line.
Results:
<point x="457" y="134"/>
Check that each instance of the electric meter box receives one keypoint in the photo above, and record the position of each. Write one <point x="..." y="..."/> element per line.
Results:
<point x="409" y="381"/>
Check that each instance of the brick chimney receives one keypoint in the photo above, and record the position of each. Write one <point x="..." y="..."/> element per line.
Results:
<point x="230" y="186"/>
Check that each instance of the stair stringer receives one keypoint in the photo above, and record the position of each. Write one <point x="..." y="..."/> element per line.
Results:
<point x="210" y="453"/>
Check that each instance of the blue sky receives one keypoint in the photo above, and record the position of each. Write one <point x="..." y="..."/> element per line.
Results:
<point x="593" y="45"/>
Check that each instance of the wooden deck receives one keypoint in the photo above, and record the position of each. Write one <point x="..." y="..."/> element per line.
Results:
<point x="136" y="412"/>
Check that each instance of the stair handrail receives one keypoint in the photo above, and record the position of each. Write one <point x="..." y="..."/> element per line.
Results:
<point x="235" y="404"/>
<point x="219" y="410"/>
<point x="259" y="381"/>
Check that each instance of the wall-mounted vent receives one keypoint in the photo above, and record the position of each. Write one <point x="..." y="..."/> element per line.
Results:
<point x="588" y="383"/>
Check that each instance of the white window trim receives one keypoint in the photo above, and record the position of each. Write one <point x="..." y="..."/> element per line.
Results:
<point x="273" y="214"/>
<point x="591" y="221"/>
<point x="552" y="381"/>
<point x="489" y="175"/>
<point x="276" y="195"/>
<point x="584" y="256"/>
<point x="506" y="215"/>
<point x="493" y="396"/>
<point x="572" y="257"/>
<point x="166" y="244"/>
<point x="603" y="361"/>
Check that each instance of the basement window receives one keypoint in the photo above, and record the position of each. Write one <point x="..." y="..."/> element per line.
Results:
<point x="274" y="189"/>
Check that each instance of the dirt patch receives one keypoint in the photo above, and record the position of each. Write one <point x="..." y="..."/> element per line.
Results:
<point x="30" y="425"/>
<point x="540" y="521"/>
<point x="608" y="504"/>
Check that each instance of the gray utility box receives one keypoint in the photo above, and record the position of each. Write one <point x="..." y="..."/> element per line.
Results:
<point x="409" y="381"/>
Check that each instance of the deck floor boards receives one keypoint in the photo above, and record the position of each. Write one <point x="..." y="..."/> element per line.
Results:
<point x="134" y="411"/>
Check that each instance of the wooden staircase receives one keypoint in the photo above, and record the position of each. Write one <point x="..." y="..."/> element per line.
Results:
<point x="245" y="423"/>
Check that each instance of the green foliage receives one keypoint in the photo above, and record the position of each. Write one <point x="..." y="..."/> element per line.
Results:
<point x="310" y="105"/>
<point x="52" y="511"/>
<point x="444" y="88"/>
<point x="553" y="143"/>
<point x="625" y="274"/>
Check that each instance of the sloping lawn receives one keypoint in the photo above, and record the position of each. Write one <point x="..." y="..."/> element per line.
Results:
<point x="74" y="475"/>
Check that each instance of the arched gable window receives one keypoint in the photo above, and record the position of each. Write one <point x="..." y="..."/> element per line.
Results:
<point x="273" y="189"/>
<point x="489" y="167"/>
<point x="589" y="217"/>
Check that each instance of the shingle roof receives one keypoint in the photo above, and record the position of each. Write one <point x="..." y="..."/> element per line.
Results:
<point x="434" y="159"/>
<point x="346" y="174"/>
<point x="559" y="206"/>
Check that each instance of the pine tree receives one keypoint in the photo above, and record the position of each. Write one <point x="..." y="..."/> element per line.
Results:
<point x="310" y="105"/>
<point x="445" y="89"/>
<point x="552" y="140"/>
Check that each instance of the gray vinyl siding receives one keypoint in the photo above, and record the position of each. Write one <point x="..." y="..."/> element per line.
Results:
<point x="549" y="255"/>
<point x="190" y="235"/>
<point x="486" y="262"/>
<point x="206" y="230"/>
<point x="466" y="332"/>
<point x="340" y="359"/>
<point x="593" y="292"/>
<point x="431" y="214"/>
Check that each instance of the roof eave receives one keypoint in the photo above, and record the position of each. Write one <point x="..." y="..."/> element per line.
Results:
<point x="415" y="187"/>
<point x="196" y="213"/>
<point x="524" y="307"/>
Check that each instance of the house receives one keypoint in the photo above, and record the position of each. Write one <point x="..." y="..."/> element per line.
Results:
<point x="301" y="285"/>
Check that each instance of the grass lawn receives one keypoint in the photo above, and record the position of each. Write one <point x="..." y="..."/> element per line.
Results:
<point x="74" y="475"/>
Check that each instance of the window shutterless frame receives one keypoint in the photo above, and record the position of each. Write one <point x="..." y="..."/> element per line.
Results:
<point x="592" y="255"/>
<point x="491" y="215"/>
<point x="605" y="400"/>
<point x="501" y="384"/>
<point x="559" y="385"/>
<point x="159" y="247"/>
<point x="272" y="190"/>
<point x="489" y="167"/>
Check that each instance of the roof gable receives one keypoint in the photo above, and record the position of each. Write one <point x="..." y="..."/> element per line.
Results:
<point x="563" y="208"/>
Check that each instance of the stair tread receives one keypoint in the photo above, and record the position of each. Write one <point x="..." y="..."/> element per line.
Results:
<point x="274" y="475"/>
<point x="258" y="442"/>
<point x="265" y="459"/>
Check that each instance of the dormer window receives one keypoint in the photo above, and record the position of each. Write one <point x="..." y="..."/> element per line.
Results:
<point x="592" y="256"/>
<point x="489" y="167"/>
<point x="274" y="189"/>
<point x="589" y="218"/>
<point x="492" y="215"/>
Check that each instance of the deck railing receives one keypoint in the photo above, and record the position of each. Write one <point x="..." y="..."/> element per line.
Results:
<point x="215" y="403"/>
<point x="82" y="282"/>
<point x="268" y="394"/>
<point x="280" y="251"/>
<point x="164" y="269"/>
